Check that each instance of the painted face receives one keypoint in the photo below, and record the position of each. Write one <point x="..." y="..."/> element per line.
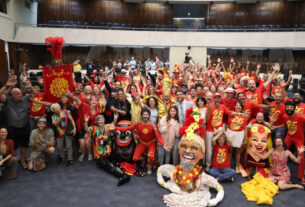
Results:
<point x="3" y="133"/>
<point x="259" y="142"/>
<point x="190" y="153"/>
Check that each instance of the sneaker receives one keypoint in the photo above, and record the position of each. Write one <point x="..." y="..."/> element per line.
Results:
<point x="231" y="179"/>
<point x="303" y="181"/>
<point x="90" y="157"/>
<point x="149" y="171"/>
<point x="237" y="169"/>
<point x="81" y="158"/>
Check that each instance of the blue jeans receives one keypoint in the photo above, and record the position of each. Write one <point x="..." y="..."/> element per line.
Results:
<point x="222" y="173"/>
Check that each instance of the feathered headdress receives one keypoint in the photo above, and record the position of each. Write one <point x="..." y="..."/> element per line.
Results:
<point x="56" y="47"/>
<point x="193" y="123"/>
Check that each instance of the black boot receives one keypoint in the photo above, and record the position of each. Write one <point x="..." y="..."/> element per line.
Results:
<point x="105" y="164"/>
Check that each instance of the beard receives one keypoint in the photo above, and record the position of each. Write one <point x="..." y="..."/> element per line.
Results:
<point x="297" y="101"/>
<point x="186" y="165"/>
<point x="289" y="112"/>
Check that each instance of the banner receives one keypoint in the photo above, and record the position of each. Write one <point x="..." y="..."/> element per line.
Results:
<point x="57" y="80"/>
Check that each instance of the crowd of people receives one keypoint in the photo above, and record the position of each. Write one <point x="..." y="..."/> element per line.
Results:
<point x="230" y="98"/>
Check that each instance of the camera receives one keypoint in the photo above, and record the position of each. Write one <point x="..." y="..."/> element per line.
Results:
<point x="187" y="59"/>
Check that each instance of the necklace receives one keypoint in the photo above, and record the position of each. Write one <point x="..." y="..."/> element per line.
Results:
<point x="183" y="180"/>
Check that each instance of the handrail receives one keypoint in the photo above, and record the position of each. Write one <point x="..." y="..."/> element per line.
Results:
<point x="158" y="29"/>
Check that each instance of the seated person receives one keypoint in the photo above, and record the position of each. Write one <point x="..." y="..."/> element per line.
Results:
<point x="42" y="143"/>
<point x="221" y="168"/>
<point x="8" y="161"/>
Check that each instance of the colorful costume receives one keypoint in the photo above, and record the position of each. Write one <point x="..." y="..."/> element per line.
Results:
<point x="187" y="182"/>
<point x="259" y="140"/>
<point x="123" y="150"/>
<point x="148" y="135"/>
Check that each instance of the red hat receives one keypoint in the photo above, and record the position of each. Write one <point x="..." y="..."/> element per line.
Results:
<point x="216" y="95"/>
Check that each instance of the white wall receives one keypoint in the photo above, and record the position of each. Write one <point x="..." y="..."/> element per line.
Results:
<point x="148" y="38"/>
<point x="177" y="55"/>
<point x="16" y="13"/>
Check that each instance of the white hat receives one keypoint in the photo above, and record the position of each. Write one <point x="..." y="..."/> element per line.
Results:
<point x="123" y="71"/>
<point x="229" y="90"/>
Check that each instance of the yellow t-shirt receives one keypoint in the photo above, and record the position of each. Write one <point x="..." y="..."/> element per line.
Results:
<point x="77" y="68"/>
<point x="135" y="111"/>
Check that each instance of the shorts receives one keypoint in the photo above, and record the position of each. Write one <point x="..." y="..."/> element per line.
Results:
<point x="80" y="134"/>
<point x="21" y="136"/>
<point x="237" y="137"/>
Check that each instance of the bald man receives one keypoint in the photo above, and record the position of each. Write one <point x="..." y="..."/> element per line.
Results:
<point x="17" y="110"/>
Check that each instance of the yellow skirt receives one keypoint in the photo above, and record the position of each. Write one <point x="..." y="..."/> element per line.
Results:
<point x="260" y="189"/>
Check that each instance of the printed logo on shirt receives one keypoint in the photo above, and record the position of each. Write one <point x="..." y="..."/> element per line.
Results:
<point x="36" y="107"/>
<point x="221" y="156"/>
<point x="217" y="118"/>
<point x="299" y="110"/>
<point x="275" y="114"/>
<point x="236" y="123"/>
<point x="292" y="127"/>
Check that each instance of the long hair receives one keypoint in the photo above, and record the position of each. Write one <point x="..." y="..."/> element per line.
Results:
<point x="156" y="101"/>
<point x="202" y="99"/>
<point x="274" y="145"/>
<point x="168" y="117"/>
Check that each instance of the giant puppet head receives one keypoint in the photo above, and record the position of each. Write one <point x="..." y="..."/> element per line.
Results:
<point x="124" y="135"/>
<point x="260" y="139"/>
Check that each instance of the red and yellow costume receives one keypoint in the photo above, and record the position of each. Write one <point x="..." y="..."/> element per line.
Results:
<point x="148" y="135"/>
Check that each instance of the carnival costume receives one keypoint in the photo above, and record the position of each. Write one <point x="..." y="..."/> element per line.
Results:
<point x="102" y="148"/>
<point x="259" y="189"/>
<point x="147" y="135"/>
<point x="187" y="182"/>
<point x="262" y="143"/>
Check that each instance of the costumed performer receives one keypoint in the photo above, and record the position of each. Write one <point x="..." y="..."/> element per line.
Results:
<point x="148" y="135"/>
<point x="259" y="138"/>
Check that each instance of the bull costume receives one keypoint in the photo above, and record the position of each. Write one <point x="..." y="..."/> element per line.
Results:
<point x="187" y="181"/>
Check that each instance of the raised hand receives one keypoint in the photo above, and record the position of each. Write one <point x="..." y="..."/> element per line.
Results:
<point x="276" y="67"/>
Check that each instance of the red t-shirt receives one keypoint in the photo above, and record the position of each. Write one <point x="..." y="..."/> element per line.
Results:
<point x="257" y="97"/>
<point x="277" y="113"/>
<point x="216" y="117"/>
<point x="241" y="89"/>
<point x="276" y="89"/>
<point x="122" y="80"/>
<point x="294" y="126"/>
<point x="250" y="107"/>
<point x="221" y="156"/>
<point x="237" y="123"/>
<point x="254" y="121"/>
<point x="38" y="109"/>
<point x="230" y="105"/>
<point x="300" y="108"/>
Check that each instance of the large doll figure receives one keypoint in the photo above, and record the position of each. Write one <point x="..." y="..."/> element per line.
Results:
<point x="259" y="139"/>
<point x="187" y="181"/>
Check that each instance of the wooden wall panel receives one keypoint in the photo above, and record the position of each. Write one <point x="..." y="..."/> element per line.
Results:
<point x="3" y="63"/>
<point x="265" y="13"/>
<point x="104" y="11"/>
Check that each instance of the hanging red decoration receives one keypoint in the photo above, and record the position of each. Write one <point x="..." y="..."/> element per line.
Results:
<point x="56" y="47"/>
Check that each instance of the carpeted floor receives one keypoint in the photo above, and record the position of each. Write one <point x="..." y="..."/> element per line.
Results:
<point x="83" y="184"/>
